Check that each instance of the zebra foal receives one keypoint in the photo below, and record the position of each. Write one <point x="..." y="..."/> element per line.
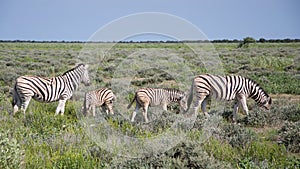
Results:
<point x="102" y="97"/>
<point x="146" y="97"/>
<point x="47" y="90"/>
<point x="236" y="88"/>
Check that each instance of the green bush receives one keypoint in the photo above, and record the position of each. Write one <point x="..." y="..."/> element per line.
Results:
<point x="257" y="118"/>
<point x="290" y="136"/>
<point x="246" y="41"/>
<point x="189" y="154"/>
<point x="11" y="154"/>
<point x="235" y="135"/>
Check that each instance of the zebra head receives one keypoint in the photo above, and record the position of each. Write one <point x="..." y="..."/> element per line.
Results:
<point x="183" y="102"/>
<point x="266" y="102"/>
<point x="85" y="79"/>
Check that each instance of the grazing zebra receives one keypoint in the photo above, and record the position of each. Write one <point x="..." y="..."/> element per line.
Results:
<point x="58" y="88"/>
<point x="102" y="97"/>
<point x="228" y="88"/>
<point x="146" y="97"/>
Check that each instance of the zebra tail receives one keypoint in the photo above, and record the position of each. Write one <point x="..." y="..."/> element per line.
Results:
<point x="16" y="97"/>
<point x="131" y="102"/>
<point x="190" y="97"/>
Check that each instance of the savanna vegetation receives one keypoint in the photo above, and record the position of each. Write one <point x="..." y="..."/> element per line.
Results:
<point x="264" y="139"/>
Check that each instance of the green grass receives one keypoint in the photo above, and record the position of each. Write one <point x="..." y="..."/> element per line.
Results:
<point x="255" y="154"/>
<point x="41" y="140"/>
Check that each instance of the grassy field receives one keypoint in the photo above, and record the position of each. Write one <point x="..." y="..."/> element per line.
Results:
<point x="261" y="140"/>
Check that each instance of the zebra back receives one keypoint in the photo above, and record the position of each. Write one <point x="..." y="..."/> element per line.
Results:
<point x="173" y="95"/>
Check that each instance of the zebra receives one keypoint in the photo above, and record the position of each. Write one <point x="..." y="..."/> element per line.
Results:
<point x="47" y="90"/>
<point x="227" y="88"/>
<point x="146" y="97"/>
<point x="101" y="97"/>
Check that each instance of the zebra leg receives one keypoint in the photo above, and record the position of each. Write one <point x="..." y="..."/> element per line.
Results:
<point x="93" y="107"/>
<point x="25" y="104"/>
<point x="88" y="110"/>
<point x="104" y="109"/>
<point x="235" y="110"/>
<point x="60" y="107"/>
<point x="196" y="106"/>
<point x="164" y="106"/>
<point x="244" y="105"/>
<point x="134" y="112"/>
<point x="145" y="111"/>
<point x="109" y="106"/>
<point x="197" y="103"/>
<point x="203" y="107"/>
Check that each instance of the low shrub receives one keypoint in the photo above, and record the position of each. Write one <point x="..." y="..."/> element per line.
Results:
<point x="188" y="154"/>
<point x="291" y="112"/>
<point x="11" y="154"/>
<point x="233" y="134"/>
<point x="290" y="136"/>
<point x="257" y="118"/>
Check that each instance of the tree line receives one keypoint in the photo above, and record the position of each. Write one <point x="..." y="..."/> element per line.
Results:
<point x="244" y="41"/>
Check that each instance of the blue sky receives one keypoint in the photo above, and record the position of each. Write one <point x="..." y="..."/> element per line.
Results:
<point x="218" y="19"/>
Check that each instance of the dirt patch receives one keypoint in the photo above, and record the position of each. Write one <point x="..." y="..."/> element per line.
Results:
<point x="289" y="97"/>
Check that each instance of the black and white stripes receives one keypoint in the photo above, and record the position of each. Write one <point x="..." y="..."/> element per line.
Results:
<point x="102" y="97"/>
<point x="58" y="88"/>
<point x="228" y="88"/>
<point x="146" y="97"/>
<point x="203" y="87"/>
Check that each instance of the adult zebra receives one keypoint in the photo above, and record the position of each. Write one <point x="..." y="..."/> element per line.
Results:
<point x="145" y="97"/>
<point x="228" y="88"/>
<point x="101" y="97"/>
<point x="58" y="88"/>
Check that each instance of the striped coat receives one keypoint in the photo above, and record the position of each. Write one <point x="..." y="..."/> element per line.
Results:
<point x="102" y="97"/>
<point x="47" y="90"/>
<point x="228" y="88"/>
<point x="146" y="97"/>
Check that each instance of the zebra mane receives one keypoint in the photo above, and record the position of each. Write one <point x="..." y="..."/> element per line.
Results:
<point x="256" y="84"/>
<point x="81" y="64"/>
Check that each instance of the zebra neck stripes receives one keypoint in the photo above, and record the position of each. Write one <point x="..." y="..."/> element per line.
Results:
<point x="72" y="79"/>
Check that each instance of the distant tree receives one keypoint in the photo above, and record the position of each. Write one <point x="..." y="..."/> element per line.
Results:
<point x="235" y="41"/>
<point x="246" y="41"/>
<point x="262" y="40"/>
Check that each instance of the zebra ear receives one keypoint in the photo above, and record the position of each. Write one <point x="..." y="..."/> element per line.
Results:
<point x="181" y="97"/>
